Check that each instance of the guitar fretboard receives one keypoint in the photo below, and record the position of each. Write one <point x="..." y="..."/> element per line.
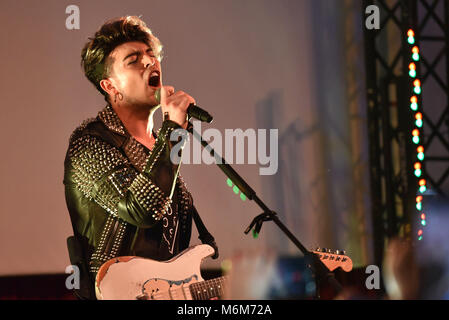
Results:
<point x="209" y="289"/>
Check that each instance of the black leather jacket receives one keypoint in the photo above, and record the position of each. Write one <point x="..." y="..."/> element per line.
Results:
<point x="124" y="199"/>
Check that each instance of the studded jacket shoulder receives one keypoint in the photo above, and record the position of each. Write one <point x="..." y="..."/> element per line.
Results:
<point x="124" y="199"/>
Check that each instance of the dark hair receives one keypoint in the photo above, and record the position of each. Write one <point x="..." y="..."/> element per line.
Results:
<point x="95" y="58"/>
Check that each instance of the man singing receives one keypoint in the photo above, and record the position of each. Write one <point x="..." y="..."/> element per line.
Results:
<point x="124" y="195"/>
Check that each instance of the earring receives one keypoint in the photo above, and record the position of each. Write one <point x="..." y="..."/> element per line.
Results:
<point x="120" y="97"/>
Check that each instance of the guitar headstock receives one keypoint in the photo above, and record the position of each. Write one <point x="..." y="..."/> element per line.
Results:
<point x="334" y="259"/>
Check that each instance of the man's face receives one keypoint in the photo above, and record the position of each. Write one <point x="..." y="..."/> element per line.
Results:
<point x="136" y="73"/>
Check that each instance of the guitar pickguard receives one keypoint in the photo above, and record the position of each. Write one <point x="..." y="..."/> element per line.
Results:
<point x="164" y="289"/>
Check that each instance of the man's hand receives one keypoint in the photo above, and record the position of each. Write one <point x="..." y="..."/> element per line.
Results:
<point x="176" y="104"/>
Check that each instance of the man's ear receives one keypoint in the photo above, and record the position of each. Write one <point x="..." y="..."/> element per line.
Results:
<point x="108" y="87"/>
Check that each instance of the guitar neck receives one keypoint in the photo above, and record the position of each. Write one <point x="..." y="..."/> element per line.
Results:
<point x="209" y="289"/>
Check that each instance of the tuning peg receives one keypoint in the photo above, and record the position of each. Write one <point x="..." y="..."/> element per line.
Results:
<point x="324" y="250"/>
<point x="342" y="252"/>
<point x="329" y="251"/>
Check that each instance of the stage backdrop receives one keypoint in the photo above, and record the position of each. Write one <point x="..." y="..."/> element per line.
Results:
<point x="295" y="66"/>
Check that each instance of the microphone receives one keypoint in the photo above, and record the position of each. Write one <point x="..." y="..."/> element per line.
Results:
<point x="193" y="110"/>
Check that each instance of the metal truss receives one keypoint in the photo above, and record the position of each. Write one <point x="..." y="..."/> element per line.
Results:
<point x="392" y="154"/>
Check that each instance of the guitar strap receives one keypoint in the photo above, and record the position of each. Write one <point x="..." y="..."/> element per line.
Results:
<point x="204" y="235"/>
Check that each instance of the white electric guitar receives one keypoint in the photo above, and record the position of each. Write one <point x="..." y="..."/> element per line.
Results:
<point x="131" y="278"/>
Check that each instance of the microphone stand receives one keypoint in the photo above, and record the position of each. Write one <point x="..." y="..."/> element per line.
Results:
<point x="321" y="273"/>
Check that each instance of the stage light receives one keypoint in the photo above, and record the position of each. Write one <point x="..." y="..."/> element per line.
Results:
<point x="229" y="182"/>
<point x="242" y="196"/>
<point x="417" y="85"/>
<point x="414" y="103"/>
<point x="417" y="90"/>
<point x="411" y="36"/>
<point x="415" y="134"/>
<point x="236" y="190"/>
<point x="418" y="121"/>
<point x="420" y="154"/>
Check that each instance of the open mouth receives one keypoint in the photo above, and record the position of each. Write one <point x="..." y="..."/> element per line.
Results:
<point x="154" y="79"/>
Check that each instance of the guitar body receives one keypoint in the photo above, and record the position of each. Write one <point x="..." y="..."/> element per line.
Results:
<point x="131" y="278"/>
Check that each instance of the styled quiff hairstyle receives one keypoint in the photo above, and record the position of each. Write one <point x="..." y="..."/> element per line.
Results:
<point x="95" y="59"/>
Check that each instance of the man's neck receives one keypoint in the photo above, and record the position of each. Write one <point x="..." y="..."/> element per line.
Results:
<point x="138" y="122"/>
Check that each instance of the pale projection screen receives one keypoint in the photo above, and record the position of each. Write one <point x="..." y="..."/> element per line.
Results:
<point x="252" y="64"/>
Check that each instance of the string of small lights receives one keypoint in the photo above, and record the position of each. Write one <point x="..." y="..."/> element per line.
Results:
<point x="415" y="102"/>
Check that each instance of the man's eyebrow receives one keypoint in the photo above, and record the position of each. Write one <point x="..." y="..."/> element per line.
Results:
<point x="136" y="53"/>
